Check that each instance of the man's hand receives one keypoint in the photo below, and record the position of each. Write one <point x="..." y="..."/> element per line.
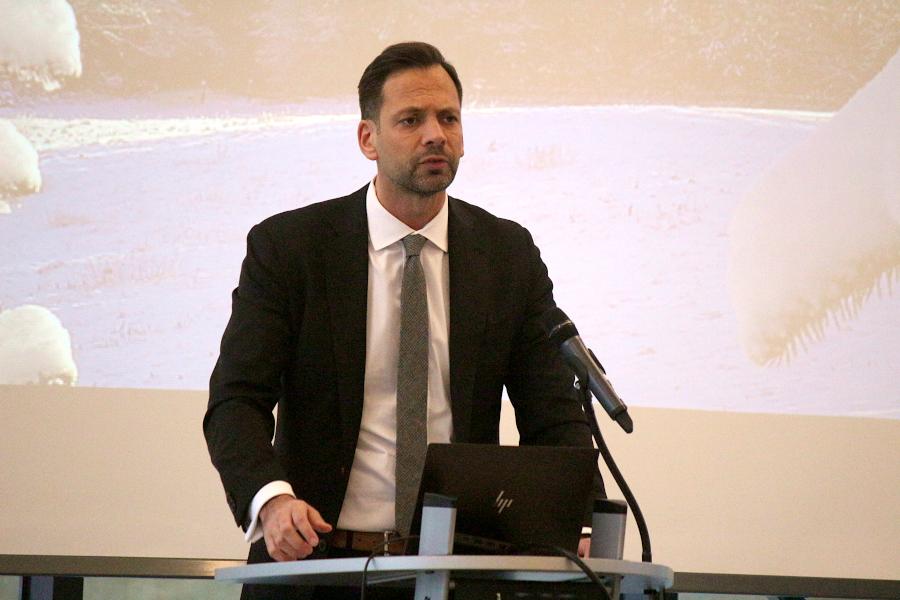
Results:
<point x="584" y="547"/>
<point x="290" y="526"/>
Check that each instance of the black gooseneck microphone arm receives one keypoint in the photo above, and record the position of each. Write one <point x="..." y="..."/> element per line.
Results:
<point x="587" y="404"/>
<point x="591" y="377"/>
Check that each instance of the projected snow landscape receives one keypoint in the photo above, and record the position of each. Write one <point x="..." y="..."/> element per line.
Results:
<point x="124" y="231"/>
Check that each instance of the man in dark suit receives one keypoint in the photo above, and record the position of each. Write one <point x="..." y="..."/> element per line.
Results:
<point x="316" y="320"/>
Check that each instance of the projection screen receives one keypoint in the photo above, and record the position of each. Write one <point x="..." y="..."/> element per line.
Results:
<point x="713" y="185"/>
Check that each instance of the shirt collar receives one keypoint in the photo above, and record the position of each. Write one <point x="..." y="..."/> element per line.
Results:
<point x="385" y="228"/>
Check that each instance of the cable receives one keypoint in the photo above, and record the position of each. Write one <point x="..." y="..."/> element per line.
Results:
<point x="519" y="548"/>
<point x="375" y="554"/>
<point x="572" y="556"/>
<point x="646" y="552"/>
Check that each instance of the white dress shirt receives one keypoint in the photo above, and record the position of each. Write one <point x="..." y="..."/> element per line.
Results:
<point x="369" y="501"/>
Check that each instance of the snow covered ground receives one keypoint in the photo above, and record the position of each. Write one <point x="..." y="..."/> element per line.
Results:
<point x="136" y="240"/>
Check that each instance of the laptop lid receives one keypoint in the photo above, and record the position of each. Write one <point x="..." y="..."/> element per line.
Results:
<point x="511" y="495"/>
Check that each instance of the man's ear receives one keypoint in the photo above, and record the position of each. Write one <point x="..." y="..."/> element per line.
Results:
<point x="365" y="135"/>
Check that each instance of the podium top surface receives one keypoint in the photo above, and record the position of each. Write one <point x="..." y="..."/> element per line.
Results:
<point x="636" y="576"/>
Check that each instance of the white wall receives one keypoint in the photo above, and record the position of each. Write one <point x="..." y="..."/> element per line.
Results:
<point x="110" y="472"/>
<point x="762" y="493"/>
<point x="125" y="472"/>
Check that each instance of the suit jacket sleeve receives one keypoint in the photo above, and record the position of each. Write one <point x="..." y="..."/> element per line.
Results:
<point x="246" y="383"/>
<point x="540" y="384"/>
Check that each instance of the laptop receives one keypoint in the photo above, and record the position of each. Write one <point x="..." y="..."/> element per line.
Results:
<point x="511" y="497"/>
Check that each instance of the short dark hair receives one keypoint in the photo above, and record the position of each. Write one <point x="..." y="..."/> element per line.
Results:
<point x="395" y="58"/>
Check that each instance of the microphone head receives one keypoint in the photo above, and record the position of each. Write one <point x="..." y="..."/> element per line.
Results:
<point x="558" y="326"/>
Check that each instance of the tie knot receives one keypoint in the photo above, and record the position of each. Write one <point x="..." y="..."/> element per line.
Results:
<point x="413" y="244"/>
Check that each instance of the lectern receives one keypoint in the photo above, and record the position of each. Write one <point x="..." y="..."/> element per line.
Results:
<point x="434" y="571"/>
<point x="634" y="577"/>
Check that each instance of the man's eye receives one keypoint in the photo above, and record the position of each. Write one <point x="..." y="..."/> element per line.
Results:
<point x="451" y="119"/>
<point x="408" y="121"/>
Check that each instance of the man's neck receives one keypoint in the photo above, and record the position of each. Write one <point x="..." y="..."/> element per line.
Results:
<point x="414" y="210"/>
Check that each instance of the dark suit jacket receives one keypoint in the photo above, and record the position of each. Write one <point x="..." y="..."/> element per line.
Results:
<point x="297" y="337"/>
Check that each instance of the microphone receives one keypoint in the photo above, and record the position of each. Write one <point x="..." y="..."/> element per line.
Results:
<point x="563" y="334"/>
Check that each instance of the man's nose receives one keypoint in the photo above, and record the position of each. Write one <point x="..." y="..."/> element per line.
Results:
<point x="433" y="132"/>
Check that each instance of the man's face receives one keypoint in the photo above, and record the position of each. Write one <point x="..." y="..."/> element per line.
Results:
<point x="417" y="141"/>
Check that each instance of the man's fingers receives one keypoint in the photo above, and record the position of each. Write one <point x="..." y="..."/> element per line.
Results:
<point x="584" y="547"/>
<point x="286" y="544"/>
<point x="283" y="540"/>
<point x="292" y="541"/>
<point x="316" y="520"/>
<point x="290" y="527"/>
<point x="300" y="516"/>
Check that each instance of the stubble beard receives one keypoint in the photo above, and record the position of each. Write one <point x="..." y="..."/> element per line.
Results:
<point x="412" y="180"/>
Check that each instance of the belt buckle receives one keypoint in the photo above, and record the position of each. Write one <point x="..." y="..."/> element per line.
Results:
<point x="388" y="534"/>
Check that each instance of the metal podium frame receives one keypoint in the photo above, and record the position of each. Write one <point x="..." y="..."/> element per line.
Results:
<point x="435" y="566"/>
<point x="636" y="577"/>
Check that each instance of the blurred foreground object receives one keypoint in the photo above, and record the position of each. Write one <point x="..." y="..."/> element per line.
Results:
<point x="821" y="230"/>
<point x="35" y="348"/>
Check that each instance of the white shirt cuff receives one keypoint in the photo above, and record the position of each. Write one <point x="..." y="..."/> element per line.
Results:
<point x="265" y="493"/>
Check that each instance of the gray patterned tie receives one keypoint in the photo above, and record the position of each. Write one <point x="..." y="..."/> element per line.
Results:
<point x="412" y="384"/>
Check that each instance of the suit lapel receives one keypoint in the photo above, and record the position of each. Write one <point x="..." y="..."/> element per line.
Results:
<point x="347" y="281"/>
<point x="468" y="281"/>
<point x="346" y="262"/>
